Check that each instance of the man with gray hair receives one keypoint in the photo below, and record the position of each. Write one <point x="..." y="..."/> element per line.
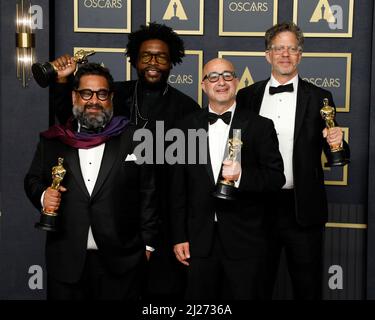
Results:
<point x="300" y="208"/>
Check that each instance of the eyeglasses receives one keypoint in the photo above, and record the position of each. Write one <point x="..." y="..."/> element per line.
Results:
<point x="86" y="94"/>
<point x="215" y="76"/>
<point x="291" y="49"/>
<point x="160" y="58"/>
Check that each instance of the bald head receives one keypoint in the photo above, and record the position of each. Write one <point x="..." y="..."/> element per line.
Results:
<point x="213" y="64"/>
<point x="220" y="84"/>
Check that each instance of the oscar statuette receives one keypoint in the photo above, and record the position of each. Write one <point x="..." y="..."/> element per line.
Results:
<point x="336" y="157"/>
<point x="225" y="189"/>
<point x="45" y="73"/>
<point x="48" y="219"/>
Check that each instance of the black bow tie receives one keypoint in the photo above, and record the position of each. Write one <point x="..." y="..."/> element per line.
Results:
<point x="279" y="89"/>
<point x="226" y="116"/>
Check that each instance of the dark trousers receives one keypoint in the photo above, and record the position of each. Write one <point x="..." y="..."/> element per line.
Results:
<point x="303" y="249"/>
<point x="97" y="283"/>
<point x="218" y="277"/>
<point x="166" y="277"/>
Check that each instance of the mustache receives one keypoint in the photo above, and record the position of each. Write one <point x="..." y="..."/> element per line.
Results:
<point x="152" y="68"/>
<point x="94" y="106"/>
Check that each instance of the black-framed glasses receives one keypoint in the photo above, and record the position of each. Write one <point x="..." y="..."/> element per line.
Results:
<point x="215" y="76"/>
<point x="292" y="50"/>
<point x="86" y="94"/>
<point x="160" y="58"/>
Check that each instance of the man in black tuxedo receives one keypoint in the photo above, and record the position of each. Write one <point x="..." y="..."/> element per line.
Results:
<point x="223" y="243"/>
<point x="301" y="207"/>
<point x="106" y="202"/>
<point x="153" y="51"/>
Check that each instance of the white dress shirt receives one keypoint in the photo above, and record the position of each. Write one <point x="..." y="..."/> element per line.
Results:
<point x="90" y="161"/>
<point x="218" y="133"/>
<point x="281" y="109"/>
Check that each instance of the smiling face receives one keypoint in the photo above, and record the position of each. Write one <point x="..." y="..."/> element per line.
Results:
<point x="93" y="112"/>
<point x="153" y="71"/>
<point x="221" y="94"/>
<point x="284" y="64"/>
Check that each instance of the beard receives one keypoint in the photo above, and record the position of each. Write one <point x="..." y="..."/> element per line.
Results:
<point x="92" y="121"/>
<point x="153" y="85"/>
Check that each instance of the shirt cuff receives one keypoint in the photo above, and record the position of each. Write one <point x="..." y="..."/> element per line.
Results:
<point x="237" y="182"/>
<point x="42" y="200"/>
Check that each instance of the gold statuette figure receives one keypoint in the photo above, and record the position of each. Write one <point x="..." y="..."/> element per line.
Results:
<point x="336" y="156"/>
<point x="225" y="188"/>
<point x="48" y="219"/>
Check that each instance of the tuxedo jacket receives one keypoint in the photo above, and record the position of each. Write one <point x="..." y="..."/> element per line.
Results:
<point x="120" y="210"/>
<point x="310" y="196"/>
<point x="172" y="107"/>
<point x="241" y="223"/>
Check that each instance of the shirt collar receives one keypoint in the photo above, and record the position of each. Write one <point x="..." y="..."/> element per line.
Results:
<point x="232" y="109"/>
<point x="274" y="83"/>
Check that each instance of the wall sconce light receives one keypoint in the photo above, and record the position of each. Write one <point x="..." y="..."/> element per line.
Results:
<point x="25" y="41"/>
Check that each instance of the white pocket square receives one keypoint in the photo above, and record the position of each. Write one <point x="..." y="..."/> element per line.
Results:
<point x="131" y="157"/>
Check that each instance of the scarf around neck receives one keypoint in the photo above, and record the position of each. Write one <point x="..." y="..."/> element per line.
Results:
<point x="83" y="140"/>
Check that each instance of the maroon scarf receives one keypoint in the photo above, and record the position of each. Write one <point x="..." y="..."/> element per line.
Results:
<point x="83" y="140"/>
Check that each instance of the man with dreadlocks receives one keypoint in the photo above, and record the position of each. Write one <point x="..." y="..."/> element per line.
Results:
<point x="153" y="51"/>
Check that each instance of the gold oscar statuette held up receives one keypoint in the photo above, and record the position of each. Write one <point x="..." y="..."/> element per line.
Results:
<point x="45" y="73"/>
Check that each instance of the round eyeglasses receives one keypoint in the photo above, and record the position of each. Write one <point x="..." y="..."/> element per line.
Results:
<point x="87" y="94"/>
<point x="291" y="49"/>
<point x="215" y="76"/>
<point x="160" y="58"/>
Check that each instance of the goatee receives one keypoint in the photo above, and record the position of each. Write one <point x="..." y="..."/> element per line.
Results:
<point x="92" y="121"/>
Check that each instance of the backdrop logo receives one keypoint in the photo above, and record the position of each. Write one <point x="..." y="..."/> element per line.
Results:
<point x="324" y="18"/>
<point x="175" y="10"/>
<point x="323" y="12"/>
<point x="331" y="71"/>
<point x="250" y="66"/>
<point x="112" y="58"/>
<point x="102" y="16"/>
<point x="335" y="282"/>
<point x="181" y="79"/>
<point x="103" y="4"/>
<point x="184" y="16"/>
<point x="187" y="76"/>
<point x="246" y="18"/>
<point x="332" y="15"/>
<point x="246" y="79"/>
<point x="253" y="6"/>
<point x="36" y="280"/>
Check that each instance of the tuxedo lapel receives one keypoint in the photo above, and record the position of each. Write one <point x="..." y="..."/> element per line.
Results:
<point x="202" y="122"/>
<point x="72" y="164"/>
<point x="303" y="97"/>
<point x="258" y="97"/>
<point x="111" y="151"/>
<point x="240" y="118"/>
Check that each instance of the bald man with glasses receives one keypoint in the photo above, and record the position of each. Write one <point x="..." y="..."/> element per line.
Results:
<point x="223" y="243"/>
